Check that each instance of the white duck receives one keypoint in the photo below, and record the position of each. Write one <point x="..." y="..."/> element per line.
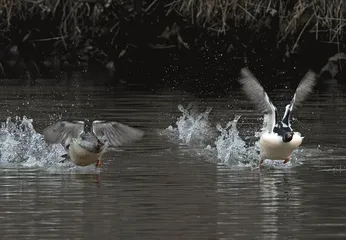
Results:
<point x="278" y="140"/>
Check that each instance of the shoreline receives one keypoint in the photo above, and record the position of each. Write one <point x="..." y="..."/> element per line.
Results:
<point x="162" y="39"/>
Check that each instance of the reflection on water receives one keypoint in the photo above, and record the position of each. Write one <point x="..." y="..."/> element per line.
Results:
<point x="172" y="184"/>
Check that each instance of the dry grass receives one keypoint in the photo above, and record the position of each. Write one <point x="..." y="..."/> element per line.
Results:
<point x="76" y="18"/>
<point x="326" y="18"/>
<point x="24" y="9"/>
<point x="81" y="18"/>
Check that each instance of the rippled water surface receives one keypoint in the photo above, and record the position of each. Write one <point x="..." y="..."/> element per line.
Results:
<point x="190" y="177"/>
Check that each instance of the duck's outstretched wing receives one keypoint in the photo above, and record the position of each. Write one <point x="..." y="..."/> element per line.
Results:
<point x="117" y="134"/>
<point x="60" y="131"/>
<point x="304" y="88"/>
<point x="259" y="97"/>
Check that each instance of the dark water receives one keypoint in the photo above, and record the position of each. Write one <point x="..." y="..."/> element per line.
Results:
<point x="159" y="188"/>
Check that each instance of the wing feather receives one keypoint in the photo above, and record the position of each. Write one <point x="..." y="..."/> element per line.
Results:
<point x="60" y="131"/>
<point x="259" y="97"/>
<point x="117" y="134"/>
<point x="304" y="88"/>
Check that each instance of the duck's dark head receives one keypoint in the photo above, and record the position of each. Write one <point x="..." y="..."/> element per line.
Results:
<point x="287" y="136"/>
<point x="90" y="142"/>
<point x="99" y="145"/>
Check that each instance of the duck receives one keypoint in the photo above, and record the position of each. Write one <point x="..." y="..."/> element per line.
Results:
<point x="85" y="142"/>
<point x="277" y="139"/>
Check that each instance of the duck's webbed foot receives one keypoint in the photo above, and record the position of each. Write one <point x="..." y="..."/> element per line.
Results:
<point x="260" y="162"/>
<point x="98" y="163"/>
<point x="65" y="156"/>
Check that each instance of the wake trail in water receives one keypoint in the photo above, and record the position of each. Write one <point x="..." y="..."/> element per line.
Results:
<point x="22" y="146"/>
<point x="223" y="144"/>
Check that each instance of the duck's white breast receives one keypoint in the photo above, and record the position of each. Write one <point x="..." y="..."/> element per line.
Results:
<point x="81" y="156"/>
<point x="272" y="146"/>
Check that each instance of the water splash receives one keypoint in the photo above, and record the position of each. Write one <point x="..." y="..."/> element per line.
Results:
<point x="193" y="127"/>
<point x="22" y="146"/>
<point x="231" y="149"/>
<point x="227" y="147"/>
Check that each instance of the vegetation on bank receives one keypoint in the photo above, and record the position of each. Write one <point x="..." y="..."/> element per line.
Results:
<point x="325" y="18"/>
<point x="63" y="34"/>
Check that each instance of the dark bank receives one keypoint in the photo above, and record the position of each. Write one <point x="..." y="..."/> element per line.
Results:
<point x="198" y="46"/>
